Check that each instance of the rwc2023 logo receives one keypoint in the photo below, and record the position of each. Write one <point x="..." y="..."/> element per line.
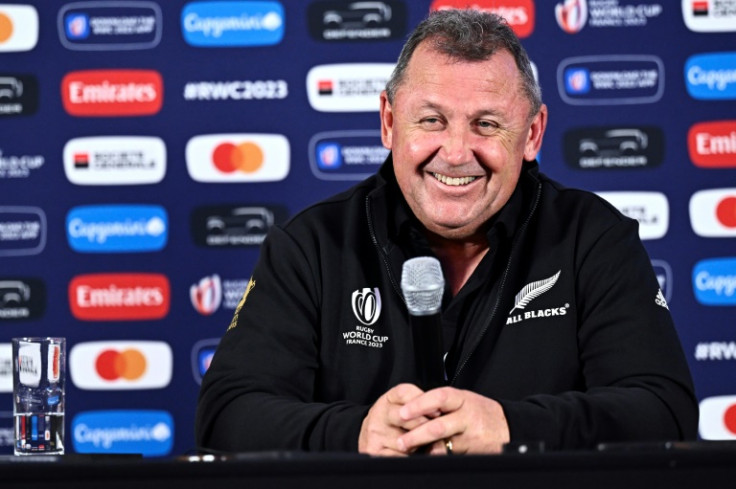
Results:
<point x="367" y="305"/>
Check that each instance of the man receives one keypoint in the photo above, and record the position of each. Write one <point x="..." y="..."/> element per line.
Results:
<point x="553" y="321"/>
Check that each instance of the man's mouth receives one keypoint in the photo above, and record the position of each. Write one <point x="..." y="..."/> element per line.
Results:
<point x="453" y="181"/>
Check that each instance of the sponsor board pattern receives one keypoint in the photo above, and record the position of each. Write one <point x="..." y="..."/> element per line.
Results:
<point x="117" y="231"/>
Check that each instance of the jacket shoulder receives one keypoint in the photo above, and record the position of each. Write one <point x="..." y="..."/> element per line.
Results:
<point x="573" y="201"/>
<point x="332" y="215"/>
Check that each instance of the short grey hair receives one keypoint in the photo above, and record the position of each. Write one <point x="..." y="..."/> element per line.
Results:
<point x="468" y="35"/>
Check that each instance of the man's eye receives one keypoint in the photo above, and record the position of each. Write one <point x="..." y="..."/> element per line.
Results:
<point x="486" y="124"/>
<point x="432" y="123"/>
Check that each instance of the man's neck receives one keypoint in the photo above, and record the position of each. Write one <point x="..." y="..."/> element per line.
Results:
<point x="459" y="258"/>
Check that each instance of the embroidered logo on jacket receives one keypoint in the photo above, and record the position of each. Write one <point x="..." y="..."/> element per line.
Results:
<point x="530" y="292"/>
<point x="248" y="288"/>
<point x="366" y="305"/>
<point x="660" y="300"/>
<point x="533" y="290"/>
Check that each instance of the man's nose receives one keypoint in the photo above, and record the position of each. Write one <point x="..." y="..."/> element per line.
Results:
<point x="456" y="148"/>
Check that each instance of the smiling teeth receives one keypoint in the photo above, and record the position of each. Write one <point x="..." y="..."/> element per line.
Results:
<point x="453" y="181"/>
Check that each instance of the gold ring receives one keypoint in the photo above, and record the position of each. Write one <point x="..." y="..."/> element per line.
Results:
<point x="448" y="446"/>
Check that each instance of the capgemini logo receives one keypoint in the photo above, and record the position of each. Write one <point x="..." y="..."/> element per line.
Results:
<point x="571" y="15"/>
<point x="367" y="305"/>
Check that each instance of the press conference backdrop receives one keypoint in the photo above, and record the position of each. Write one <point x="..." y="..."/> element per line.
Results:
<point x="146" y="147"/>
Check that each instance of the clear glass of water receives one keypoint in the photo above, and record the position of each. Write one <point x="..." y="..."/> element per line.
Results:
<point x="39" y="371"/>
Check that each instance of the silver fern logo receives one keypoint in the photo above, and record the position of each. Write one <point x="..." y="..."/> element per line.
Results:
<point x="533" y="290"/>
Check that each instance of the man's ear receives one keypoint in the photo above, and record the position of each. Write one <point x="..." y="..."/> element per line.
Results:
<point x="536" y="133"/>
<point x="387" y="121"/>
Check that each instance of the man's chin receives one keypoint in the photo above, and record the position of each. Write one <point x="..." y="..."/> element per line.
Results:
<point x="455" y="232"/>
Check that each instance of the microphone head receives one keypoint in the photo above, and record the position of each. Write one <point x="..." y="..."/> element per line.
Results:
<point x="423" y="285"/>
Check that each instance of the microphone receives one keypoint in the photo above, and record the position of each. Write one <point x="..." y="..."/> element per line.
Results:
<point x="423" y="286"/>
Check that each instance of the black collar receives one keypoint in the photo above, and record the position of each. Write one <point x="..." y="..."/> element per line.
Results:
<point x="402" y="225"/>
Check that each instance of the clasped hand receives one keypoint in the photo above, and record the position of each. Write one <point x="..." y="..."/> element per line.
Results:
<point x="406" y="419"/>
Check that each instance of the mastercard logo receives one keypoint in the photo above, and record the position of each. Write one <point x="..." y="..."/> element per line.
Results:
<point x="726" y="212"/>
<point x="729" y="419"/>
<point x="245" y="157"/>
<point x="220" y="158"/>
<point x="110" y="365"/>
<point x="18" y="27"/>
<point x="128" y="364"/>
<point x="713" y="212"/>
<point x="6" y="27"/>
<point x="718" y="418"/>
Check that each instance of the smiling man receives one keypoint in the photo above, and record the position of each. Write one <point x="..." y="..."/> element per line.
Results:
<point x="554" y="327"/>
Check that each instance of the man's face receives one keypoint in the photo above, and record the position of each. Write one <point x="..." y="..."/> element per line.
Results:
<point x="459" y="132"/>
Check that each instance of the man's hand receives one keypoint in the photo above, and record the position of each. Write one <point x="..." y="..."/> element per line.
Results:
<point x="474" y="423"/>
<point x="383" y="425"/>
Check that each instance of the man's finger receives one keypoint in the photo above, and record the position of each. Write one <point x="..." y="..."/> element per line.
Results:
<point x="403" y="393"/>
<point x="432" y="403"/>
<point x="435" y="430"/>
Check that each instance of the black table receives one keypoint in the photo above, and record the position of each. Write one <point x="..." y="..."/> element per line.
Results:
<point x="696" y="465"/>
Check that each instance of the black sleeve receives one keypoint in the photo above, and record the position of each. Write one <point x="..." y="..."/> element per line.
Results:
<point x="259" y="391"/>
<point x="637" y="382"/>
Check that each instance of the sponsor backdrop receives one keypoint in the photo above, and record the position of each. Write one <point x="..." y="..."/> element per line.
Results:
<point x="146" y="147"/>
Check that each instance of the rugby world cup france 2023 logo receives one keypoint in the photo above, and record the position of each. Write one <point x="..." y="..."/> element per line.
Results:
<point x="367" y="305"/>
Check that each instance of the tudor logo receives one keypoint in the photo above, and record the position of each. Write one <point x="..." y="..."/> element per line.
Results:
<point x="367" y="305"/>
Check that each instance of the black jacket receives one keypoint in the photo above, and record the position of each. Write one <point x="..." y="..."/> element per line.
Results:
<point x="571" y="333"/>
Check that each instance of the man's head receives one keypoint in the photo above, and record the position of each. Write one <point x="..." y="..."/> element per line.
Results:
<point x="468" y="35"/>
<point x="461" y="113"/>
